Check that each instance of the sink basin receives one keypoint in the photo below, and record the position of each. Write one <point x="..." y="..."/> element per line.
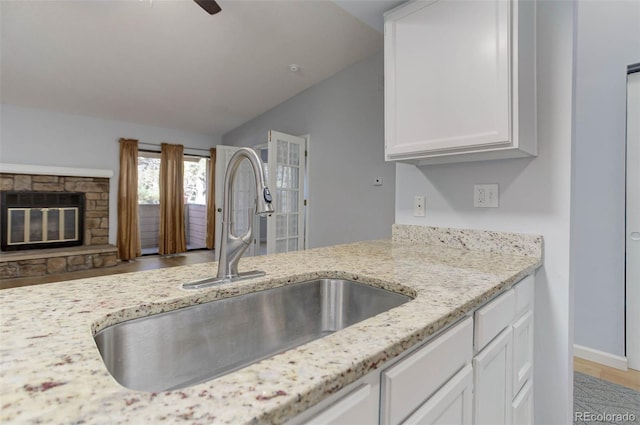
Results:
<point x="187" y="346"/>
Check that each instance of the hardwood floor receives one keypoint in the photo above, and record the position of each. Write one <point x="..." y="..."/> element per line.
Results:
<point x="629" y="378"/>
<point x="141" y="263"/>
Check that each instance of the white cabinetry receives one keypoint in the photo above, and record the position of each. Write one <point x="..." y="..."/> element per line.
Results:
<point x="358" y="407"/>
<point x="417" y="378"/>
<point x="443" y="382"/>
<point x="451" y="405"/>
<point x="503" y="365"/>
<point x="492" y="380"/>
<point x="460" y="81"/>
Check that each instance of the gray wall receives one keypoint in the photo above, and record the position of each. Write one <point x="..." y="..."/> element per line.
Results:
<point x="344" y="116"/>
<point x="535" y="198"/>
<point x="39" y="137"/>
<point x="608" y="41"/>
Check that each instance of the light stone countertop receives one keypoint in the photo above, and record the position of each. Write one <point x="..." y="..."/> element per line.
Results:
<point x="51" y="371"/>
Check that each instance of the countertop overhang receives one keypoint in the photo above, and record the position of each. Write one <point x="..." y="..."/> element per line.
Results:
<point x="52" y="372"/>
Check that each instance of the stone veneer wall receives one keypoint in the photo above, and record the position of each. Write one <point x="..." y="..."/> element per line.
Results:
<point x="96" y="190"/>
<point x="94" y="253"/>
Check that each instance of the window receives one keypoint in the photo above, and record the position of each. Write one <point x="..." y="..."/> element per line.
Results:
<point x="195" y="199"/>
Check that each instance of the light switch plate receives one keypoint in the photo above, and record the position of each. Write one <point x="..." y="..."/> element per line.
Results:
<point x="486" y="195"/>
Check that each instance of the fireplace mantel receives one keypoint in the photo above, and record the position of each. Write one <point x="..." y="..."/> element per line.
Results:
<point x="46" y="170"/>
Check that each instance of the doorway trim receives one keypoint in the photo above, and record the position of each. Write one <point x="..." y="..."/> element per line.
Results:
<point x="632" y="221"/>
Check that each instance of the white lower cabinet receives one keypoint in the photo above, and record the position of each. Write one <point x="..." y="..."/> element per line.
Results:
<point x="358" y="407"/>
<point x="414" y="380"/>
<point x="442" y="381"/>
<point x="451" y="405"/>
<point x="492" y="380"/>
<point x="503" y="364"/>
<point x="523" y="405"/>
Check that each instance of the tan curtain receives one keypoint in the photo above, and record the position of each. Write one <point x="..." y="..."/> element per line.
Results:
<point x="128" y="240"/>
<point x="172" y="231"/>
<point x="211" y="201"/>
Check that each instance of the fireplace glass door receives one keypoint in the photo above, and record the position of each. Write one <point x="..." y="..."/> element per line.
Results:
<point x="38" y="220"/>
<point x="42" y="225"/>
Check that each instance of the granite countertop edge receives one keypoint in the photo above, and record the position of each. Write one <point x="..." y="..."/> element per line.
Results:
<point x="52" y="372"/>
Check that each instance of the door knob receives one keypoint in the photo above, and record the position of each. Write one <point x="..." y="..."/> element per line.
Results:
<point x="635" y="236"/>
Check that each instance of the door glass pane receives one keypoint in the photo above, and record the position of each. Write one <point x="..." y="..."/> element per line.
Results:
<point x="70" y="224"/>
<point x="35" y="226"/>
<point x="293" y="201"/>
<point x="283" y="152"/>
<point x="293" y="244"/>
<point x="53" y="224"/>
<point x="293" y="225"/>
<point x="294" y="155"/>
<point x="279" y="176"/>
<point x="294" y="179"/>
<point x="17" y="225"/>
<point x="281" y="226"/>
<point x="281" y="246"/>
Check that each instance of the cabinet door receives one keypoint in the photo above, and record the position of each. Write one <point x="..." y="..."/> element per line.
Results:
<point x="447" y="76"/>
<point x="523" y="406"/>
<point x="492" y="382"/>
<point x="522" y="351"/>
<point x="451" y="405"/>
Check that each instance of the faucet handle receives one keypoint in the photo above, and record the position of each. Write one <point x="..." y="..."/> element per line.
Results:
<point x="266" y="194"/>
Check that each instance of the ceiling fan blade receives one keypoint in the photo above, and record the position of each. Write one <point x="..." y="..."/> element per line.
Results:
<point x="209" y="5"/>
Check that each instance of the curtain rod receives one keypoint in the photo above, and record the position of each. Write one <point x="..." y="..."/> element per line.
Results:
<point x="159" y="144"/>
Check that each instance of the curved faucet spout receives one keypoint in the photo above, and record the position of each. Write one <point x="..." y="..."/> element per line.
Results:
<point x="233" y="246"/>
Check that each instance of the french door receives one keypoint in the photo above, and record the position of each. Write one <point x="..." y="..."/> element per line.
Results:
<point x="286" y="173"/>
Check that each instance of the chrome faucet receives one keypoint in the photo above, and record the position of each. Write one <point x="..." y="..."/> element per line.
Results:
<point x="233" y="246"/>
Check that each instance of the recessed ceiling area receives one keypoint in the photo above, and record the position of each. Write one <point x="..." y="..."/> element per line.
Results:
<point x="169" y="63"/>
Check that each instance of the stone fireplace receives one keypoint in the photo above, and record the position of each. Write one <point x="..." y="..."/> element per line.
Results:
<point x="30" y="200"/>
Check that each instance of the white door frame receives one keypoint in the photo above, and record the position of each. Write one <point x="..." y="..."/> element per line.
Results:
<point x="632" y="231"/>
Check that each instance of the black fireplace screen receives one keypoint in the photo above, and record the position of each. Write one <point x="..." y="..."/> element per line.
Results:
<point x="41" y="219"/>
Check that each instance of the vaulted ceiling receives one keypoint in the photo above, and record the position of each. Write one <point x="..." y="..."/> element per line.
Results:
<point x="170" y="64"/>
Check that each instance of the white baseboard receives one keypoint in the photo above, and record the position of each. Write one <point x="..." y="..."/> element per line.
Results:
<point x="601" y="357"/>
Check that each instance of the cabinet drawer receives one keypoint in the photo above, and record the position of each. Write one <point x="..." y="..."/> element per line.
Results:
<point x="491" y="319"/>
<point x="358" y="407"/>
<point x="410" y="382"/>
<point x="524" y="295"/>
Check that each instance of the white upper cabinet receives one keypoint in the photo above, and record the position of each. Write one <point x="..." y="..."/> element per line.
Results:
<point x="460" y="81"/>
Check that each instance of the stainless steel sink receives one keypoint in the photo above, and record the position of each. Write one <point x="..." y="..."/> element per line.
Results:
<point x="195" y="344"/>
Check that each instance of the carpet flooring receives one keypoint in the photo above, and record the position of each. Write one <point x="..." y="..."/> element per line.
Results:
<point x="598" y="402"/>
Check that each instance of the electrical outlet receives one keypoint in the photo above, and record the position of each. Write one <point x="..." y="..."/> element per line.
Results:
<point x="486" y="195"/>
<point x="419" y="206"/>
